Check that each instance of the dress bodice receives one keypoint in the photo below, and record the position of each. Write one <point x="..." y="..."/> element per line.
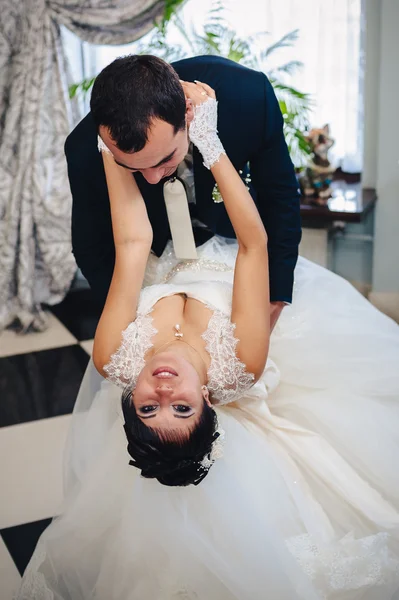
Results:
<point x="227" y="375"/>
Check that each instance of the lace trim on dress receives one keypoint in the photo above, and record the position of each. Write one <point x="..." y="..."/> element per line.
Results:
<point x="33" y="585"/>
<point x="197" y="265"/>
<point x="228" y="378"/>
<point x="348" y="565"/>
<point x="127" y="362"/>
<point x="216" y="252"/>
<point x="227" y="375"/>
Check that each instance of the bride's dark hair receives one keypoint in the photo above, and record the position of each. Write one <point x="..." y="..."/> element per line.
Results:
<point x="171" y="458"/>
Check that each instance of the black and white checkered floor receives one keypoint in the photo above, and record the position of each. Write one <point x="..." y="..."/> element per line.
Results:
<point x="40" y="374"/>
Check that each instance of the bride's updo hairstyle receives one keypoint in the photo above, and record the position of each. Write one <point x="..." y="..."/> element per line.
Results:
<point x="168" y="456"/>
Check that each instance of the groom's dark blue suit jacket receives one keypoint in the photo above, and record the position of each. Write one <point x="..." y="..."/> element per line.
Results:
<point x="251" y="129"/>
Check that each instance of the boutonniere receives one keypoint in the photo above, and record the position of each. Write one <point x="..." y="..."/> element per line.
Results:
<point x="217" y="196"/>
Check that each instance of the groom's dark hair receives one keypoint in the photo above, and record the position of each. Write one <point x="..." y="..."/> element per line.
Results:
<point x="132" y="91"/>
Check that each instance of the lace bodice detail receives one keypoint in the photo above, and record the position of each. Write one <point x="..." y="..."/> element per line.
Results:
<point x="227" y="375"/>
<point x="127" y="362"/>
<point x="228" y="378"/>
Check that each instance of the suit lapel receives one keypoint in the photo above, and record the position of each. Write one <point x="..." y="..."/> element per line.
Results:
<point x="204" y="184"/>
<point x="156" y="209"/>
<point x="214" y="215"/>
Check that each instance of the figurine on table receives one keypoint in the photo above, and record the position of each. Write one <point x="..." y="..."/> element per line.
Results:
<point x="316" y="179"/>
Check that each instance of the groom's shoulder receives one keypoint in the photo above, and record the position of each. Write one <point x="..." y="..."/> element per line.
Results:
<point x="216" y="68"/>
<point x="81" y="139"/>
<point x="206" y="60"/>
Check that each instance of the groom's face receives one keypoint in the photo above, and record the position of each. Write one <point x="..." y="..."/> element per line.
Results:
<point x="161" y="155"/>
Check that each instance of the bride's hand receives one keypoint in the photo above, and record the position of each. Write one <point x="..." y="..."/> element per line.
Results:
<point x="197" y="92"/>
<point x="203" y="128"/>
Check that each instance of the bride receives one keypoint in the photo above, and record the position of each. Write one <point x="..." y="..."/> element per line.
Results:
<point x="291" y="449"/>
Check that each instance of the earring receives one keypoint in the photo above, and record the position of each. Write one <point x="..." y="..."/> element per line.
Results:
<point x="204" y="388"/>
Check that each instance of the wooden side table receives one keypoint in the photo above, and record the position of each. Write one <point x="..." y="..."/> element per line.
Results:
<point x="349" y="203"/>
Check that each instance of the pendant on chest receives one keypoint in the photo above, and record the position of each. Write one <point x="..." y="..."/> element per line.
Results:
<point x="178" y="334"/>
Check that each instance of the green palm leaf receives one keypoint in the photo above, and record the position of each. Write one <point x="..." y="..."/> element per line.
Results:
<point x="286" y="41"/>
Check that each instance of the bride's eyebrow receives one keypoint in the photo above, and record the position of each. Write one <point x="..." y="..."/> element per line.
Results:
<point x="175" y="416"/>
<point x="182" y="417"/>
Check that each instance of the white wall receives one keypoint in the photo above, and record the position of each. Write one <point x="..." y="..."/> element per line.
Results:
<point x="382" y="147"/>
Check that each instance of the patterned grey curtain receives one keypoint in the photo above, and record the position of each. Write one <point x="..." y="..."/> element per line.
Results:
<point x="36" y="115"/>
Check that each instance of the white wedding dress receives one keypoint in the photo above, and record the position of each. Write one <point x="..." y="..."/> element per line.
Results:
<point x="304" y="504"/>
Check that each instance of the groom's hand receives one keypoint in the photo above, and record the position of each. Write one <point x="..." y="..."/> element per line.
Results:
<point x="275" y="312"/>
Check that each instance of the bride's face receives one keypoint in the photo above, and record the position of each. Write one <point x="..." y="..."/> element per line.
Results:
<point x="168" y="393"/>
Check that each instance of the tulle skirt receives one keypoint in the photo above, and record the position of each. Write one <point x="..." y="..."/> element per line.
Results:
<point x="304" y="503"/>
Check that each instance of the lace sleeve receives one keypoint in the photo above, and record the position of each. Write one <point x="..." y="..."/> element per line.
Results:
<point x="127" y="362"/>
<point x="228" y="378"/>
<point x="204" y="134"/>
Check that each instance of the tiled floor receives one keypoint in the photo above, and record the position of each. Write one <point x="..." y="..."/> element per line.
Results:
<point x="40" y="374"/>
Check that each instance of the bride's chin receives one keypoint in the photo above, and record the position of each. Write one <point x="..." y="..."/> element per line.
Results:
<point x="166" y="358"/>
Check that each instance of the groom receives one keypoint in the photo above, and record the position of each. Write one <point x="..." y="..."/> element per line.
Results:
<point x="139" y="109"/>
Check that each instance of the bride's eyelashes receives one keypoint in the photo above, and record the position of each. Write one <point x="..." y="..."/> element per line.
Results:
<point x="181" y="410"/>
<point x="148" y="408"/>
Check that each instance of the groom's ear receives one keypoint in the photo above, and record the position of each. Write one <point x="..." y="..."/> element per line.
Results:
<point x="189" y="111"/>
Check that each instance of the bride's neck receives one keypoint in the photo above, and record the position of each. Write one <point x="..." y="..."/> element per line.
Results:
<point x="186" y="351"/>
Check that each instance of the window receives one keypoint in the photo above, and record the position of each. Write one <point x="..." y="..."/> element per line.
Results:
<point x="329" y="46"/>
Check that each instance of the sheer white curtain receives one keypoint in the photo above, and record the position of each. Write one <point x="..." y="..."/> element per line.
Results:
<point x="329" y="46"/>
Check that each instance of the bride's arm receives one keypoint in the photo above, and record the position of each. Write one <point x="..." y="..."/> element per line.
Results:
<point x="132" y="233"/>
<point x="251" y="301"/>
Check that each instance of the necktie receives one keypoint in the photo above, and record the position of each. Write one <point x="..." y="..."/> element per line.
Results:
<point x="179" y="219"/>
